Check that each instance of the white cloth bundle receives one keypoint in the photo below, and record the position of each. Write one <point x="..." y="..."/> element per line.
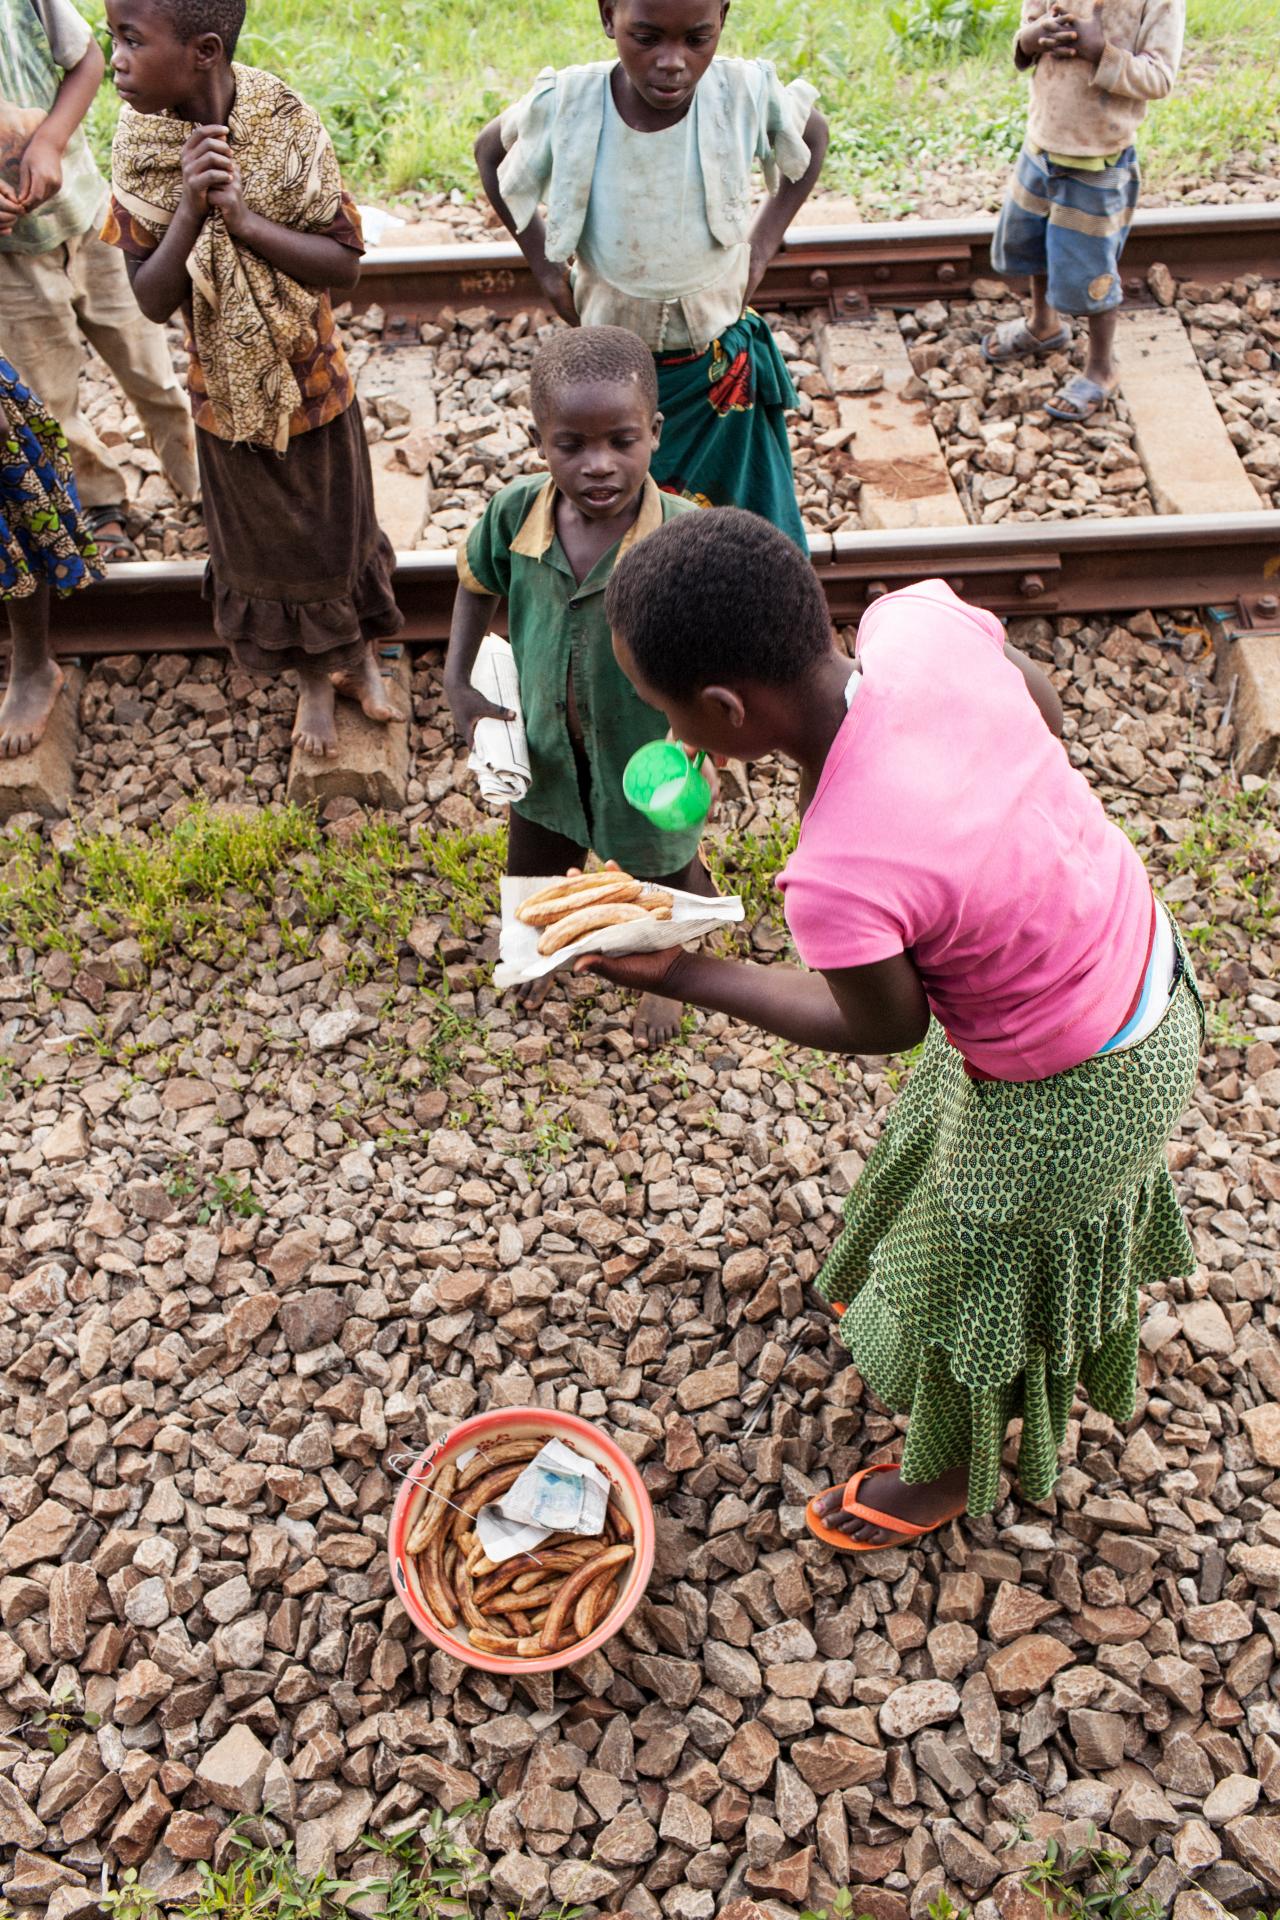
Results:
<point x="499" y="750"/>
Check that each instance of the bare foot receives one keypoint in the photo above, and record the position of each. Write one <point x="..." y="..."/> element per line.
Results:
<point x="657" y="1020"/>
<point x="27" y="706"/>
<point x="531" y="993"/>
<point x="367" y="686"/>
<point x="923" y="1505"/>
<point x="313" y="727"/>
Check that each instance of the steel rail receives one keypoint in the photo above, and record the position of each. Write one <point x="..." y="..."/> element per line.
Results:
<point x="886" y="263"/>
<point x="1032" y="567"/>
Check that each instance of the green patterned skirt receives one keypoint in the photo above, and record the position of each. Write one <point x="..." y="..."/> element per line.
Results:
<point x="724" y="430"/>
<point x="995" y="1243"/>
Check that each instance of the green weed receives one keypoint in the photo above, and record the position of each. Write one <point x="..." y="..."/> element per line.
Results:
<point x="935" y="30"/>
<point x="841" y="1908"/>
<point x="1233" y="850"/>
<point x="56" y="1725"/>
<point x="553" y="1140"/>
<point x="1088" y="1883"/>
<point x="452" y="1030"/>
<point x="900" y="1066"/>
<point x="180" y="1182"/>
<point x="1222" y="1030"/>
<point x="32" y="908"/>
<point x="262" y="1883"/>
<point x="227" y="1196"/>
<point x="465" y="871"/>
<point x="129" y="1899"/>
<point x="941" y="1907"/>
<point x="1083" y="1883"/>
<point x="433" y="1869"/>
<point x="748" y="864"/>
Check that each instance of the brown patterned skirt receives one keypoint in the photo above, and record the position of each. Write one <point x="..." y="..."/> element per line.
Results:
<point x="299" y="570"/>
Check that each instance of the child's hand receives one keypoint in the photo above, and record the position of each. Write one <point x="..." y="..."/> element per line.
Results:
<point x="760" y="258"/>
<point x="1052" y="33"/>
<point x="710" y="770"/>
<point x="11" y="208"/>
<point x="555" y="283"/>
<point x="206" y="165"/>
<point x="40" y="175"/>
<point x="229" y="201"/>
<point x="469" y="707"/>
<point x="642" y="972"/>
<point x="1088" y="41"/>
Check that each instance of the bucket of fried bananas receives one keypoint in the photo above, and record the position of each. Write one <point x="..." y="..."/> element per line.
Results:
<point x="522" y="1541"/>
<point x="547" y="924"/>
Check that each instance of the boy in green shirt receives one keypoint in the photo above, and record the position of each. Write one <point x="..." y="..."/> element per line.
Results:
<point x="547" y="545"/>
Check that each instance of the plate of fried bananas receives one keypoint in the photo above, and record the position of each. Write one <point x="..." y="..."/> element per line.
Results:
<point x="548" y="923"/>
<point x="536" y="1610"/>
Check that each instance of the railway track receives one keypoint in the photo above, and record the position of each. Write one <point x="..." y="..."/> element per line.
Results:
<point x="849" y="268"/>
<point x="1227" y="559"/>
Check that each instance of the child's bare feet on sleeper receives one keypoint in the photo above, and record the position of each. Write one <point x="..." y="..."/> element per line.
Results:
<point x="656" y="1020"/>
<point x="367" y="686"/>
<point x="27" y="706"/>
<point x="314" y="727"/>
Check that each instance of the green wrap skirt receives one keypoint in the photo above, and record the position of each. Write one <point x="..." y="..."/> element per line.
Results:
<point x="995" y="1242"/>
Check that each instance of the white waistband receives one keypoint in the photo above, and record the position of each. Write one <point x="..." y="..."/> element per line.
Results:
<point x="1157" y="989"/>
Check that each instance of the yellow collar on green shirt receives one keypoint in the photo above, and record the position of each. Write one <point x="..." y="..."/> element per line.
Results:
<point x="538" y="528"/>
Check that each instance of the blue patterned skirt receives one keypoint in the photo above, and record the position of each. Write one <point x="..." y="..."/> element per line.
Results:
<point x="42" y="537"/>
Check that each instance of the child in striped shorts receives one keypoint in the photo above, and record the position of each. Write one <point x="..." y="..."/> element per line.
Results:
<point x="1067" y="210"/>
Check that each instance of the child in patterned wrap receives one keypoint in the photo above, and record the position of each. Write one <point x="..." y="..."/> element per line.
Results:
<point x="956" y="881"/>
<point x="227" y="202"/>
<point x="44" y="547"/>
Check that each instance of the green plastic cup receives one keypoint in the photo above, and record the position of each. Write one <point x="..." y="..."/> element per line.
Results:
<point x="663" y="784"/>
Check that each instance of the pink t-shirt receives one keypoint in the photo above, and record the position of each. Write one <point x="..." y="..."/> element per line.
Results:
<point x="950" y="824"/>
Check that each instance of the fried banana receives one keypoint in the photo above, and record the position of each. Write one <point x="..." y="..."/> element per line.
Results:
<point x="586" y="921"/>
<point x="500" y="1455"/>
<point x="435" y="1510"/>
<point x="574" y="1584"/>
<point x="562" y="896"/>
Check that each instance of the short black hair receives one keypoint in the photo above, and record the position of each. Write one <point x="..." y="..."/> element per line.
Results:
<point x="718" y="596"/>
<point x="590" y="357"/>
<point x="191" y="18"/>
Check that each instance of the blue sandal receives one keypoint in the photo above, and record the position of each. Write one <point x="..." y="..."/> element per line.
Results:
<point x="1014" y="340"/>
<point x="1079" y="400"/>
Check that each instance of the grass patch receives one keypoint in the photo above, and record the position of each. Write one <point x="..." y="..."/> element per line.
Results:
<point x="433" y="1871"/>
<point x="404" y="88"/>
<point x="224" y="1195"/>
<point x="1234" y="852"/>
<point x="1090" y="1882"/>
<point x="748" y="865"/>
<point x="211" y="885"/>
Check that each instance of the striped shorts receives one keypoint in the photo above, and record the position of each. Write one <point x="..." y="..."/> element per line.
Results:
<point x="1069" y="226"/>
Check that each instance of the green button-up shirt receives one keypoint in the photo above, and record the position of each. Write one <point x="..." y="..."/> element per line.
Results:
<point x="558" y="629"/>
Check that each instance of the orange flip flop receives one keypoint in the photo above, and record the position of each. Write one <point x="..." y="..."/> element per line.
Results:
<point x="886" y="1522"/>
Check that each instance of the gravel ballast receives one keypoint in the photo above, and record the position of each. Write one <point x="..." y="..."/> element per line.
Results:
<point x="204" y="1414"/>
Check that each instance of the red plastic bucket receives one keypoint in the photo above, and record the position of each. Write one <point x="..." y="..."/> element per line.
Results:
<point x="513" y="1423"/>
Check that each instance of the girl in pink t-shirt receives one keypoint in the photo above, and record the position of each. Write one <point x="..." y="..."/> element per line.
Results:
<point x="956" y="881"/>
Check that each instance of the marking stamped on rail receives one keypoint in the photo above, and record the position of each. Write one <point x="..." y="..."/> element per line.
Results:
<point x="493" y="280"/>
